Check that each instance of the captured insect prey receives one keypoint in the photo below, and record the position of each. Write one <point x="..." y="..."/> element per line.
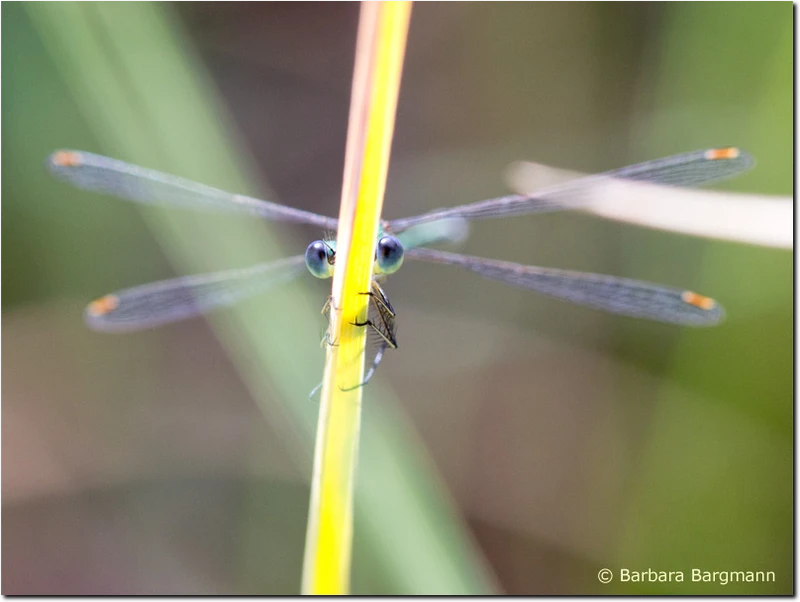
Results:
<point x="381" y="332"/>
<point x="168" y="301"/>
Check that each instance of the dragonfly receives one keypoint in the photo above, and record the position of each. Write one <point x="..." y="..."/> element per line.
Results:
<point x="167" y="301"/>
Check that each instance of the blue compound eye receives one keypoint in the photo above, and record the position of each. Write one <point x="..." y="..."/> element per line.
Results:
<point x="388" y="255"/>
<point x="319" y="259"/>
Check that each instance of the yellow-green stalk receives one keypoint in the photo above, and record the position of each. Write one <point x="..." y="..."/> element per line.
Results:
<point x="376" y="81"/>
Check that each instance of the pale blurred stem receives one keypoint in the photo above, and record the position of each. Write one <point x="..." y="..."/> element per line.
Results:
<point x="378" y="65"/>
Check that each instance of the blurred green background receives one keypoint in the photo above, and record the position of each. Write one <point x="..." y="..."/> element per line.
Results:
<point x="513" y="443"/>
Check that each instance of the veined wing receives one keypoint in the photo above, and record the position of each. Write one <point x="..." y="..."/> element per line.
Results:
<point x="167" y="301"/>
<point x="609" y="293"/>
<point x="687" y="169"/>
<point x="142" y="185"/>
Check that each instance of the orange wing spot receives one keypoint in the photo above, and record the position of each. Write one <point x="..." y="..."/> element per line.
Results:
<point x="722" y="153"/>
<point x="66" y="159"/>
<point x="103" y="305"/>
<point x="698" y="300"/>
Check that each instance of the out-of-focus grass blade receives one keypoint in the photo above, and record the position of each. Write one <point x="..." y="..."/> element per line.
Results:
<point x="146" y="101"/>
<point x="752" y="219"/>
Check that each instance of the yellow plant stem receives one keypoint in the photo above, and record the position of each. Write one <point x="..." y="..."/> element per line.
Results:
<point x="380" y="49"/>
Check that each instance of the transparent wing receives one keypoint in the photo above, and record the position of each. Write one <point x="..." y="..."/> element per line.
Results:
<point x="616" y="295"/>
<point x="167" y="301"/>
<point x="688" y="169"/>
<point x="142" y="185"/>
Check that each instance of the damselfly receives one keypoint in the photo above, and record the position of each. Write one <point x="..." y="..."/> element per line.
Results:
<point x="180" y="298"/>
